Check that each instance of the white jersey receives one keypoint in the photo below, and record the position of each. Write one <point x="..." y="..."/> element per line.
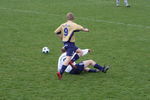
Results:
<point x="63" y="57"/>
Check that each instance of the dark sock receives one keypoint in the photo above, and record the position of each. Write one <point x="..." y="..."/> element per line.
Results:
<point x="98" y="67"/>
<point x="92" y="70"/>
<point x="63" y="69"/>
<point x="76" y="57"/>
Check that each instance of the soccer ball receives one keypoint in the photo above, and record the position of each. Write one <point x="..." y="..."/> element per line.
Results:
<point x="45" y="50"/>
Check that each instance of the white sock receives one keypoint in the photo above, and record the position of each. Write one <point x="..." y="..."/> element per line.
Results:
<point x="117" y="2"/>
<point x="126" y="2"/>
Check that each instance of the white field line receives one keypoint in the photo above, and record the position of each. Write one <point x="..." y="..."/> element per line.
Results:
<point x="118" y="23"/>
<point x="83" y="18"/>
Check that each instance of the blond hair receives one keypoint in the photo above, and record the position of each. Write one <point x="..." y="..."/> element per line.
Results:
<point x="70" y="16"/>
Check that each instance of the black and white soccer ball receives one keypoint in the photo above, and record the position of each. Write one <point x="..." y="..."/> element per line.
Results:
<point x="45" y="50"/>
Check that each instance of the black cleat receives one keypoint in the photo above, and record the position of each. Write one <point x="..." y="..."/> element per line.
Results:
<point x="128" y="6"/>
<point x="105" y="69"/>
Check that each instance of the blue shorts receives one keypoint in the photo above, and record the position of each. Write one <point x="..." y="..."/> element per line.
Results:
<point x="79" y="69"/>
<point x="70" y="48"/>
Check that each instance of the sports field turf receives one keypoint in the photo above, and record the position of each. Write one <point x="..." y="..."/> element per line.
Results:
<point x="119" y="36"/>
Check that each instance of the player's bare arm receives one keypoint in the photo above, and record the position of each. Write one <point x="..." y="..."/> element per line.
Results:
<point x="58" y="32"/>
<point x="85" y="29"/>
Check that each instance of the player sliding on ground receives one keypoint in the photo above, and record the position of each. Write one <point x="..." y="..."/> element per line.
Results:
<point x="66" y="33"/>
<point x="74" y="68"/>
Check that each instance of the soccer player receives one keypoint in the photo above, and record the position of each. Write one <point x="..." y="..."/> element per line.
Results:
<point x="66" y="33"/>
<point x="63" y="57"/>
<point x="74" y="68"/>
<point x="125" y="2"/>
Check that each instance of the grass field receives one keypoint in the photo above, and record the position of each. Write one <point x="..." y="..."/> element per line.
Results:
<point x="119" y="36"/>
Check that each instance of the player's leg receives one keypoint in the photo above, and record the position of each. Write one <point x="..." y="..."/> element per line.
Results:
<point x="78" y="54"/>
<point x="79" y="68"/>
<point x="87" y="69"/>
<point x="69" y="53"/>
<point x="126" y="3"/>
<point x="64" y="66"/>
<point x="117" y="3"/>
<point x="95" y="65"/>
<point x="89" y="63"/>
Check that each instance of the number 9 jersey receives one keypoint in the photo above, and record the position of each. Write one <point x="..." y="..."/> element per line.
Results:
<point x="67" y="31"/>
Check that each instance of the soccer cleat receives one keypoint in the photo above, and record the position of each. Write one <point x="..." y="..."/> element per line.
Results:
<point x="128" y="6"/>
<point x="59" y="75"/>
<point x="105" y="69"/>
<point x="117" y="5"/>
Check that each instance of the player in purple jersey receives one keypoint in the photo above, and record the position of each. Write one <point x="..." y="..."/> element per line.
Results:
<point x="66" y="33"/>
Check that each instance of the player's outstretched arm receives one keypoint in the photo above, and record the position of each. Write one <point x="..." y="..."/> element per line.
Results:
<point x="85" y="29"/>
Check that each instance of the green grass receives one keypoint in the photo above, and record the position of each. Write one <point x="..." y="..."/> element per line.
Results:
<point x="119" y="36"/>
